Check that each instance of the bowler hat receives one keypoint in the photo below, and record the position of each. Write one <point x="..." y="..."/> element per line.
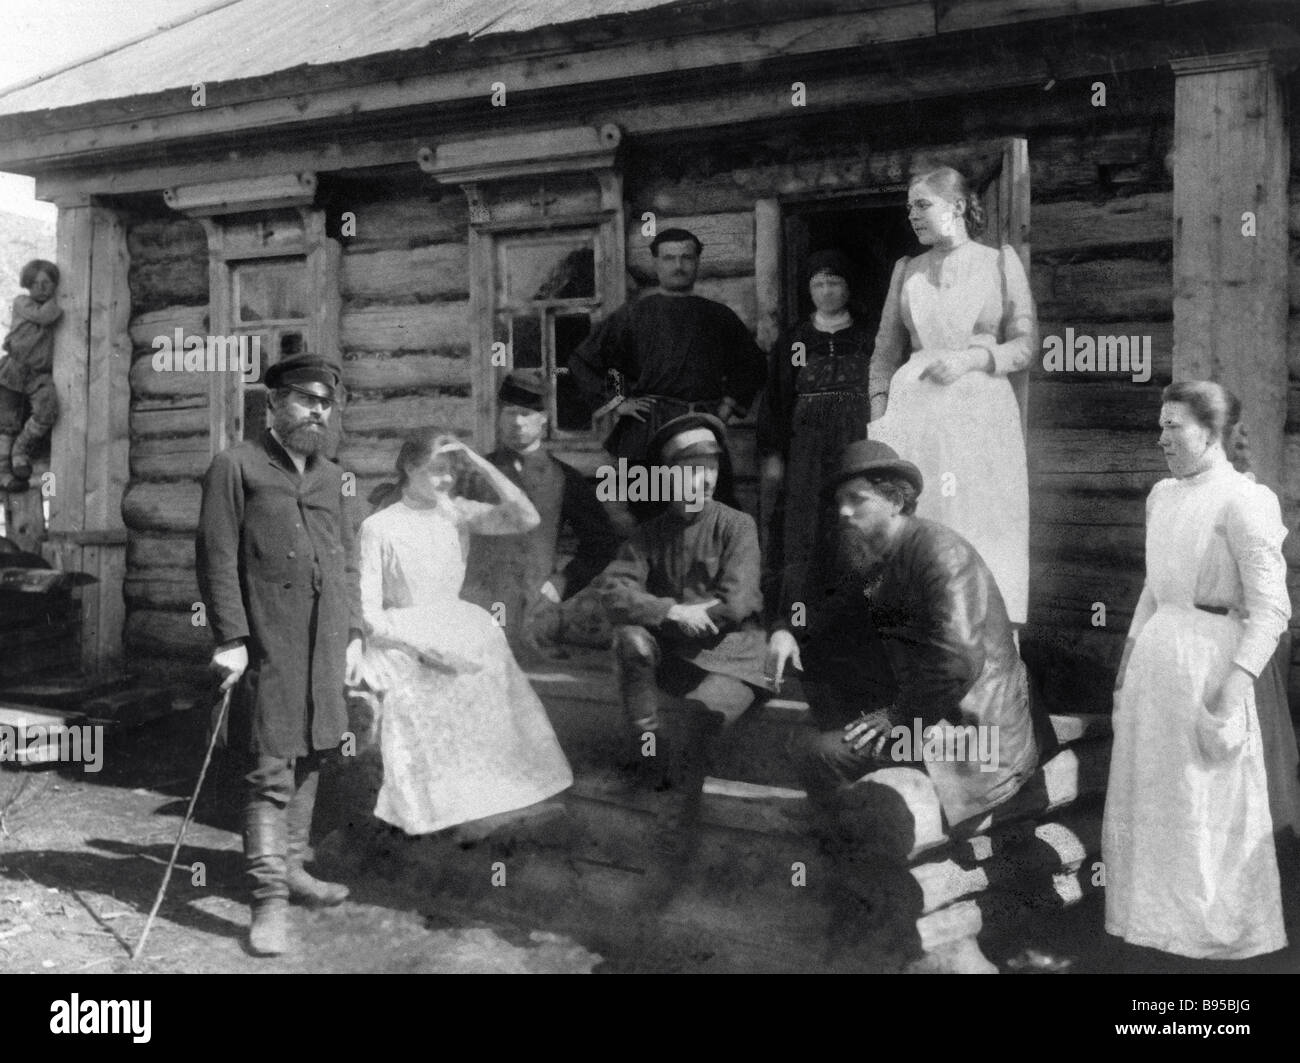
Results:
<point x="308" y="373"/>
<point x="690" y="435"/>
<point x="866" y="457"/>
<point x="523" y="387"/>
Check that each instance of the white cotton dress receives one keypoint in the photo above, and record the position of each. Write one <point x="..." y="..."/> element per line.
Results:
<point x="965" y="437"/>
<point x="462" y="733"/>
<point x="1187" y="843"/>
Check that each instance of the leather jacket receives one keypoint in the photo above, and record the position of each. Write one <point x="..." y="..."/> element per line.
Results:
<point x="943" y="626"/>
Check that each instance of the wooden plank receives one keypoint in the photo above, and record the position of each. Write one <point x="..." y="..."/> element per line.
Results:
<point x="396" y="416"/>
<point x="71" y="369"/>
<point x="1118" y="289"/>
<point x="406" y="328"/>
<point x="1231" y="306"/>
<point x="381" y="371"/>
<point x="1074" y="225"/>
<point x="424" y="274"/>
<point x="1101" y="406"/>
<point x="767" y="271"/>
<point x="1078" y="450"/>
<point x="960" y="16"/>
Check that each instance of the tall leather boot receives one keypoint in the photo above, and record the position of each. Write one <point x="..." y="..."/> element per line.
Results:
<point x="265" y="849"/>
<point x="28" y="440"/>
<point x="8" y="482"/>
<point x="303" y="886"/>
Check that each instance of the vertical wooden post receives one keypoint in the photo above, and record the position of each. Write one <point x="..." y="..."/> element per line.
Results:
<point x="89" y="450"/>
<point x="1231" y="165"/>
<point x="767" y="270"/>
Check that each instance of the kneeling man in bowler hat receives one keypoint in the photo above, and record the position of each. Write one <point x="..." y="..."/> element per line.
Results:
<point x="919" y="638"/>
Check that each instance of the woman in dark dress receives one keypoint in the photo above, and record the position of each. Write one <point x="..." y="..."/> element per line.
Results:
<point x="815" y="404"/>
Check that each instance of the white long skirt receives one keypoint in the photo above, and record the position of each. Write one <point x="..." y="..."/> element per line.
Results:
<point x="462" y="733"/>
<point x="966" y="439"/>
<point x="1187" y="844"/>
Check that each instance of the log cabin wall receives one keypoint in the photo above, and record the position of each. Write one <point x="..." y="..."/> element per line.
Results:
<point x="404" y="333"/>
<point x="1291" y="461"/>
<point x="169" y="444"/>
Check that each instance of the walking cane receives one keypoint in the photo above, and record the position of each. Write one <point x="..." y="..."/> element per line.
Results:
<point x="189" y="814"/>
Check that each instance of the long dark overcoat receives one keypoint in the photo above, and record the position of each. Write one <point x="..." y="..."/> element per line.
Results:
<point x="277" y="566"/>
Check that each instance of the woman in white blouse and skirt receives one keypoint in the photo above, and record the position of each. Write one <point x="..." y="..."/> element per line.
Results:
<point x="462" y="734"/>
<point x="957" y="320"/>
<point x="1187" y="837"/>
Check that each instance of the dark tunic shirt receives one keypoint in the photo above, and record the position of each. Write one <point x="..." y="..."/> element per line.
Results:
<point x="712" y="554"/>
<point x="680" y="346"/>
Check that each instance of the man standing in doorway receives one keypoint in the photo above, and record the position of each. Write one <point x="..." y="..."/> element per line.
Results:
<point x="277" y="569"/>
<point x="675" y="351"/>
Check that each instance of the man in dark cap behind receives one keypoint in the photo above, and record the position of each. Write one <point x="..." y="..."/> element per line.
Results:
<point x="684" y="596"/>
<point x="520" y="572"/>
<point x="277" y="570"/>
<point x="676" y="352"/>
<point x="918" y="639"/>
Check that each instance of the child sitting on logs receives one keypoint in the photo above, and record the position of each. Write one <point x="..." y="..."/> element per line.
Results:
<point x="26" y="374"/>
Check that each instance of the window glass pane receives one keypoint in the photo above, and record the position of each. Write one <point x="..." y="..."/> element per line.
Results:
<point x="554" y="268"/>
<point x="571" y="411"/>
<point x="271" y="290"/>
<point x="526" y="341"/>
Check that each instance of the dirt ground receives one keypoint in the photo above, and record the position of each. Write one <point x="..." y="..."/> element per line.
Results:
<point x="82" y="856"/>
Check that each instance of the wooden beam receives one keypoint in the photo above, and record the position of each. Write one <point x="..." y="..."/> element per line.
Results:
<point x="1231" y="169"/>
<point x="1019" y="58"/>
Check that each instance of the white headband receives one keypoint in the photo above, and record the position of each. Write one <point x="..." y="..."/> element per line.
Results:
<point x="689" y="438"/>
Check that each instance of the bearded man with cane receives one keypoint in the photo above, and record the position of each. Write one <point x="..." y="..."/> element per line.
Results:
<point x="277" y="569"/>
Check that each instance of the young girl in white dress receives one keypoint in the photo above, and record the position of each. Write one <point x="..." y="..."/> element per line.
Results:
<point x="1187" y="836"/>
<point x="462" y="734"/>
<point x="957" y="320"/>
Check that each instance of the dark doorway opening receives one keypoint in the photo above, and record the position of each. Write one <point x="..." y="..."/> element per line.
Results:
<point x="872" y="231"/>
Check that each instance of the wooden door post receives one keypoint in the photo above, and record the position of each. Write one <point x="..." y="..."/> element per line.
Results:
<point x="1231" y="165"/>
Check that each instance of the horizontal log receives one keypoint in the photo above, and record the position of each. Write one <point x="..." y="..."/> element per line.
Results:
<point x="145" y="327"/>
<point x="162" y="506"/>
<point x="148" y="383"/>
<point x="417" y="274"/>
<point x="1075" y="224"/>
<point x="1086" y="509"/>
<point x="1071" y="164"/>
<point x="1122" y="484"/>
<point x="1141" y="351"/>
<point x="144" y="552"/>
<point x="172" y="420"/>
<point x="379" y="371"/>
<point x="400" y="415"/>
<point x="524" y="200"/>
<point x="145" y="591"/>
<point x="407" y="222"/>
<point x="1112" y="544"/>
<point x="1079" y="450"/>
<point x="1100" y="406"/>
<point x="153" y="633"/>
<point x="179" y="458"/>
<point x="728" y="241"/>
<point x="1115" y="289"/>
<point x="427" y="326"/>
<point x="984" y="863"/>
